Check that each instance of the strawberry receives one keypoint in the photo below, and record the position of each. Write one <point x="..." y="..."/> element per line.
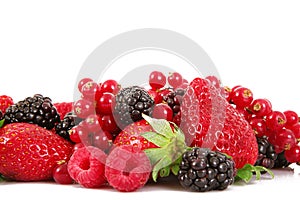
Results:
<point x="29" y="152"/>
<point x="5" y="102"/>
<point x="209" y="121"/>
<point x="63" y="108"/>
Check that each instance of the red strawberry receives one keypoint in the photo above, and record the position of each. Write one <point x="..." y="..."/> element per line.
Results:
<point x="131" y="135"/>
<point x="5" y="102"/>
<point x="29" y="152"/>
<point x="63" y="108"/>
<point x="209" y="121"/>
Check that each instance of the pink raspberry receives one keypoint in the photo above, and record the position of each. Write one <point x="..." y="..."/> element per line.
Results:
<point x="86" y="166"/>
<point x="127" y="168"/>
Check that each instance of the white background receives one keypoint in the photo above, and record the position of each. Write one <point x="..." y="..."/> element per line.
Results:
<point x="252" y="43"/>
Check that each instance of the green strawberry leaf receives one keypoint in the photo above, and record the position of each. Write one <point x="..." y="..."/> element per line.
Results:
<point x="246" y="173"/>
<point x="157" y="139"/>
<point x="155" y="154"/>
<point x="161" y="126"/>
<point x="162" y="163"/>
<point x="1" y="178"/>
<point x="1" y="122"/>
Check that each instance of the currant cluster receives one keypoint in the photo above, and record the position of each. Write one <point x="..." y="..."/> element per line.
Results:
<point x="281" y="129"/>
<point x="167" y="94"/>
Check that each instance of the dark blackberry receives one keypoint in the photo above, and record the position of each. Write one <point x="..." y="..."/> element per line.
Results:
<point x="281" y="161"/>
<point x="36" y="110"/>
<point x="174" y="99"/>
<point x="266" y="153"/>
<point x="203" y="170"/>
<point x="62" y="128"/>
<point x="1" y="115"/>
<point x="131" y="102"/>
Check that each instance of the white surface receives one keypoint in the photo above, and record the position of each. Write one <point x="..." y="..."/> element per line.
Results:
<point x="253" y="43"/>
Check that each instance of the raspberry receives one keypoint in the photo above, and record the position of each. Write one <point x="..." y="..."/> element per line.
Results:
<point x="127" y="168"/>
<point x="86" y="166"/>
<point x="5" y="102"/>
<point x="63" y="108"/>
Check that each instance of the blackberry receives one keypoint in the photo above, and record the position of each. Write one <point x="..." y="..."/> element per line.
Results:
<point x="36" y="110"/>
<point x="281" y="161"/>
<point x="174" y="99"/>
<point x="131" y="102"/>
<point x="69" y="121"/>
<point x="266" y="153"/>
<point x="203" y="170"/>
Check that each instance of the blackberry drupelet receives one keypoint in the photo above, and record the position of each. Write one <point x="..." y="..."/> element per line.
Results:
<point x="62" y="128"/>
<point x="36" y="110"/>
<point x="203" y="170"/>
<point x="266" y="153"/>
<point x="131" y="102"/>
<point x="281" y="161"/>
<point x="174" y="99"/>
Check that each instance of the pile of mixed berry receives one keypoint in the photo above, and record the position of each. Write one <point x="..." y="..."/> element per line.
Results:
<point x="207" y="135"/>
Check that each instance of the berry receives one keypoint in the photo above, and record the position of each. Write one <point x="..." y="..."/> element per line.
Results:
<point x="108" y="123"/>
<point x="105" y="104"/>
<point x="63" y="108"/>
<point x="157" y="80"/>
<point x="296" y="130"/>
<point x="62" y="128"/>
<point x="131" y="135"/>
<point x="75" y="133"/>
<point x="175" y="79"/>
<point x="275" y="121"/>
<point x="86" y="166"/>
<point x="37" y="110"/>
<point x="30" y="153"/>
<point x="241" y="97"/>
<point x="214" y="81"/>
<point x="91" y="91"/>
<point x="82" y="82"/>
<point x="61" y="174"/>
<point x="131" y="102"/>
<point x="110" y="86"/>
<point x="83" y="108"/>
<point x="5" y="102"/>
<point x="155" y="95"/>
<point x="259" y="126"/>
<point x="281" y="161"/>
<point x="203" y="170"/>
<point x="266" y="153"/>
<point x="293" y="154"/>
<point x="174" y="99"/>
<point x="261" y="107"/>
<point x="127" y="168"/>
<point x="284" y="140"/>
<point x="204" y="112"/>
<point x="162" y="111"/>
<point x="291" y="118"/>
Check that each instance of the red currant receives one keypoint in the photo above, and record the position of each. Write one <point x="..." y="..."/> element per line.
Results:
<point x="284" y="139"/>
<point x="91" y="91"/>
<point x="102" y="140"/>
<point x="175" y="79"/>
<point x="157" y="80"/>
<point x="241" y="97"/>
<point x="214" y="81"/>
<point x="91" y="123"/>
<point x="78" y="146"/>
<point x="75" y="133"/>
<point x="259" y="126"/>
<point x="296" y="130"/>
<point x="155" y="96"/>
<point x="293" y="155"/>
<point x="108" y="123"/>
<point x="275" y="120"/>
<point x="110" y="86"/>
<point x="61" y="174"/>
<point x="83" y="108"/>
<point x="291" y="118"/>
<point x="162" y="111"/>
<point x="82" y="82"/>
<point x="105" y="104"/>
<point x="261" y="107"/>
<point x="177" y="119"/>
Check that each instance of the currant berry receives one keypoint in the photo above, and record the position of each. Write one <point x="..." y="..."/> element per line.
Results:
<point x="259" y="127"/>
<point x="61" y="174"/>
<point x="241" y="97"/>
<point x="275" y="120"/>
<point x="110" y="86"/>
<point x="105" y="104"/>
<point x="102" y="140"/>
<point x="157" y="80"/>
<point x="296" y="130"/>
<point x="91" y="123"/>
<point x="175" y="79"/>
<point x="83" y="108"/>
<point x="82" y="82"/>
<point x="76" y="132"/>
<point x="291" y="118"/>
<point x="214" y="81"/>
<point x="155" y="96"/>
<point x="284" y="140"/>
<point x="293" y="154"/>
<point x="162" y="111"/>
<point x="261" y="107"/>
<point x="91" y="91"/>
<point x="77" y="146"/>
<point x="107" y="123"/>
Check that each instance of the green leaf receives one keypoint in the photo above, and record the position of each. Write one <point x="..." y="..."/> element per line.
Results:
<point x="164" y="162"/>
<point x="246" y="173"/>
<point x="155" y="154"/>
<point x="161" y="126"/>
<point x="164" y="172"/>
<point x="1" y="178"/>
<point x="157" y="139"/>
<point x="1" y="123"/>
<point x="175" y="169"/>
<point x="262" y="169"/>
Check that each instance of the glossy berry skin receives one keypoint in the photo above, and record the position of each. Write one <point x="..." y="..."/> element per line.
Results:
<point x="162" y="111"/>
<point x="91" y="91"/>
<point x="261" y="107"/>
<point x="83" y="108"/>
<point x="127" y="168"/>
<point x="291" y="118"/>
<point x="284" y="140"/>
<point x="110" y="86"/>
<point x="29" y="152"/>
<point x="76" y="132"/>
<point x="82" y="82"/>
<point x="157" y="80"/>
<point x="175" y="79"/>
<point x="108" y="123"/>
<point x="296" y="130"/>
<point x="63" y="108"/>
<point x="259" y="127"/>
<point x="61" y="174"/>
<point x="241" y="97"/>
<point x="105" y="104"/>
<point x="86" y="166"/>
<point x="293" y="155"/>
<point x="155" y="96"/>
<point x="275" y="121"/>
<point x="5" y="102"/>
